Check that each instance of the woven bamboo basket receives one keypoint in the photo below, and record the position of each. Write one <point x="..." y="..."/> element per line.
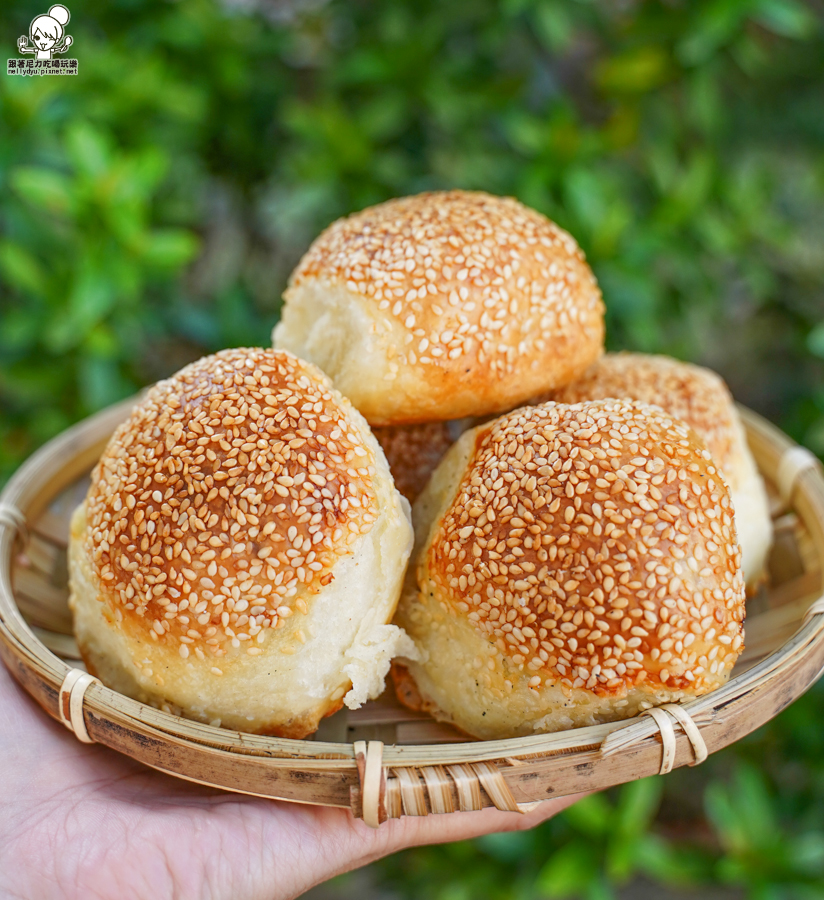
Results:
<point x="383" y="761"/>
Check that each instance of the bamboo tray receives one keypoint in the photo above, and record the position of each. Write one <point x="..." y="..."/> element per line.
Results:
<point x="383" y="761"/>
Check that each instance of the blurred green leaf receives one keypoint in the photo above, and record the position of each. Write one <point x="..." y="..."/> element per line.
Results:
<point x="638" y="802"/>
<point x="815" y="340"/>
<point x="714" y="24"/>
<point x="47" y="189"/>
<point x="21" y="269"/>
<point x="724" y="816"/>
<point x="755" y="809"/>
<point x="634" y="71"/>
<point x="592" y="815"/>
<point x="508" y="846"/>
<point x="100" y="383"/>
<point x="671" y="863"/>
<point x="169" y="248"/>
<point x="88" y="149"/>
<point x="91" y="298"/>
<point x="570" y="870"/>
<point x="147" y="169"/>
<point x="789" y="18"/>
<point x="553" y="23"/>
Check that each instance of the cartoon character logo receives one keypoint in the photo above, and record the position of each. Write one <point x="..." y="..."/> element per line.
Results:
<point x="47" y="34"/>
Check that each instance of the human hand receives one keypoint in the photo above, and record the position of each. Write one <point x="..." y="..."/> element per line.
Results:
<point x="22" y="43"/>
<point x="80" y="821"/>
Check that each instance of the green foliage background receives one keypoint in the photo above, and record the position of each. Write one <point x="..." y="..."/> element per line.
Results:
<point x="152" y="207"/>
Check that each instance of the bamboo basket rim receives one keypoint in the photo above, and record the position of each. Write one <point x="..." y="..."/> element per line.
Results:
<point x="71" y="454"/>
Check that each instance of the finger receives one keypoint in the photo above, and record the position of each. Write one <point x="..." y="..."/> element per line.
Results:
<point x="357" y="845"/>
<point x="330" y="842"/>
<point x="413" y="831"/>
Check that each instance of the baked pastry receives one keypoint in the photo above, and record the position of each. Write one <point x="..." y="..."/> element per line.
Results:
<point x="701" y="399"/>
<point x="414" y="451"/>
<point x="443" y="305"/>
<point x="241" y="549"/>
<point x="573" y="565"/>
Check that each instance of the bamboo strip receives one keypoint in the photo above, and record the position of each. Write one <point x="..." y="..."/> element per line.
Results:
<point x="468" y="786"/>
<point x="439" y="787"/>
<point x="526" y="769"/>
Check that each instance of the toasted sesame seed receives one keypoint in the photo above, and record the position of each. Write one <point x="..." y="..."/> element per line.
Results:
<point x="189" y="545"/>
<point x="470" y="276"/>
<point x="610" y="629"/>
<point x="691" y="393"/>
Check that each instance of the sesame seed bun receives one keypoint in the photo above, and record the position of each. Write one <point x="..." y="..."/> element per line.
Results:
<point x="700" y="398"/>
<point x="241" y="549"/>
<point x="573" y="565"/>
<point x="443" y="305"/>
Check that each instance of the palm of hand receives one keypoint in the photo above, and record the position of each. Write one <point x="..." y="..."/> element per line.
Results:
<point x="81" y="821"/>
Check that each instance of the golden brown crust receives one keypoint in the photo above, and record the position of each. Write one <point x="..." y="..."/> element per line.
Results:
<point x="233" y="486"/>
<point x="487" y="301"/>
<point x="691" y="393"/>
<point x="700" y="398"/>
<point x="413" y="452"/>
<point x="300" y="726"/>
<point x="594" y="546"/>
<point x="406" y="690"/>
